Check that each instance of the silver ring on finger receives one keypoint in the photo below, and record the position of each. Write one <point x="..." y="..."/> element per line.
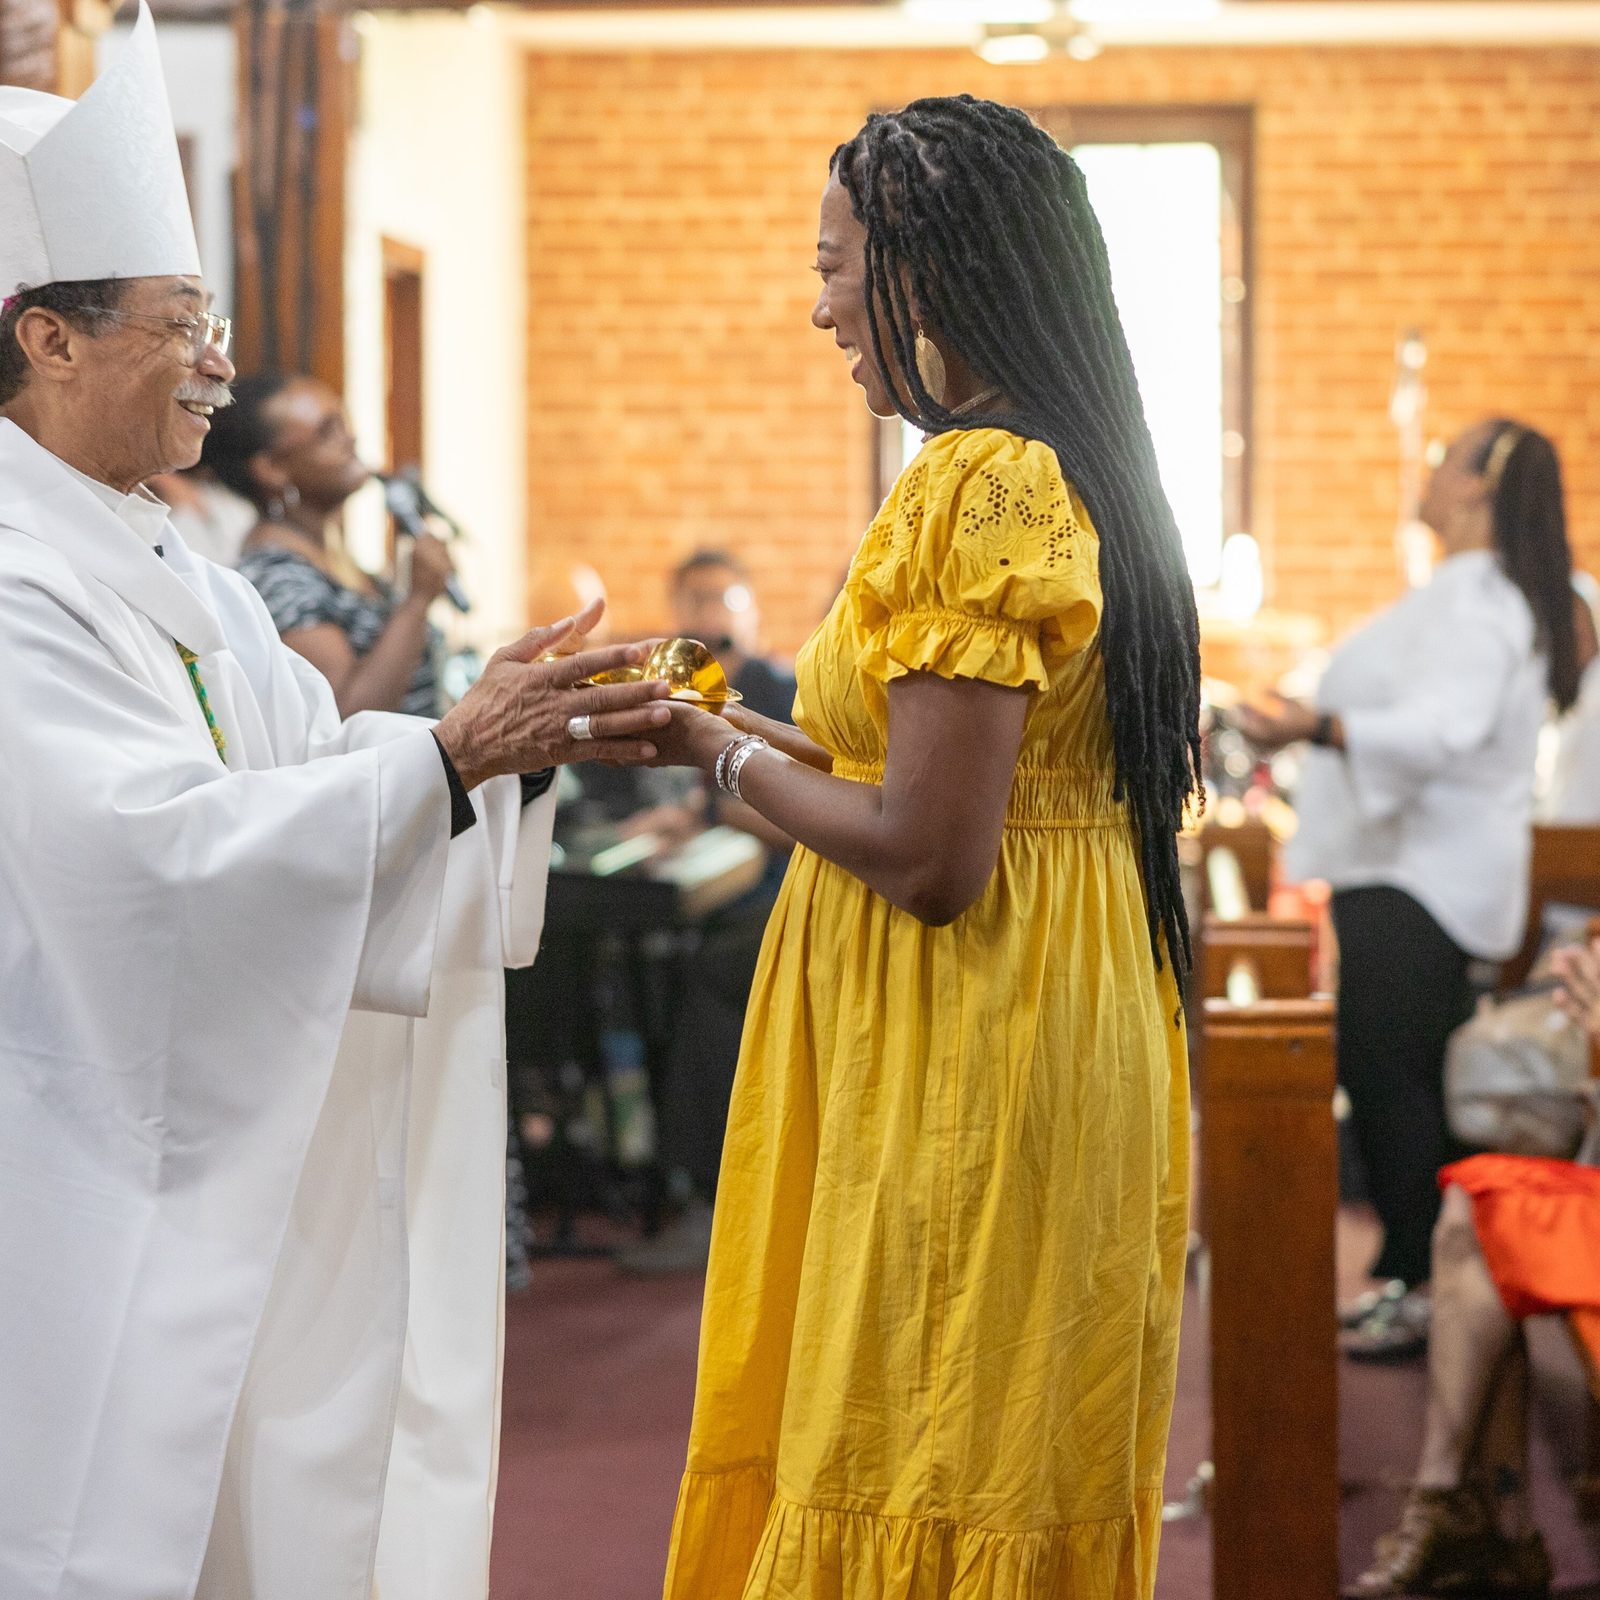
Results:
<point x="580" y="729"/>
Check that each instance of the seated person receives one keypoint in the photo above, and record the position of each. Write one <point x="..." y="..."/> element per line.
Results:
<point x="666" y="801"/>
<point x="285" y="446"/>
<point x="1517" y="1236"/>
<point x="712" y="601"/>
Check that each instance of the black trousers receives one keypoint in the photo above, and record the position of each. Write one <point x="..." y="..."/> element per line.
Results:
<point x="705" y="1045"/>
<point x="1403" y="988"/>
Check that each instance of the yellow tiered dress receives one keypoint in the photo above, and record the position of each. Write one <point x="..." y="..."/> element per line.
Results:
<point x="941" y="1318"/>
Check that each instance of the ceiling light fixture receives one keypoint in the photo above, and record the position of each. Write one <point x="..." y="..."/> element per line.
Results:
<point x="1143" y="11"/>
<point x="975" y="13"/>
<point x="1011" y="32"/>
<point x="1008" y="47"/>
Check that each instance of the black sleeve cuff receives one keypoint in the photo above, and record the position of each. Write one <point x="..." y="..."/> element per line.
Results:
<point x="462" y="812"/>
<point x="537" y="784"/>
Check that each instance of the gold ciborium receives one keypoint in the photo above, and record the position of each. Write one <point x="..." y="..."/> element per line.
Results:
<point x="693" y="672"/>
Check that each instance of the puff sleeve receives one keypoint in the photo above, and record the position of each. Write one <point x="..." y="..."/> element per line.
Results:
<point x="989" y="568"/>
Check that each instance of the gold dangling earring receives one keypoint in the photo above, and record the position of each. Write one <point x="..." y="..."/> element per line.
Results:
<point x="930" y="367"/>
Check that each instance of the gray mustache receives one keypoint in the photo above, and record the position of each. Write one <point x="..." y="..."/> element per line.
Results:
<point x="206" y="392"/>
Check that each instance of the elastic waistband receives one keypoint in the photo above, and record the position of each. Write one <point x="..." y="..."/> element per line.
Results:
<point x="1041" y="797"/>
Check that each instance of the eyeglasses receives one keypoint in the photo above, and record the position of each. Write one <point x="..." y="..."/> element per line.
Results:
<point x="205" y="332"/>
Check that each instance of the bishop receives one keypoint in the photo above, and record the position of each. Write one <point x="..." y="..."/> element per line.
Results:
<point x="252" y="1114"/>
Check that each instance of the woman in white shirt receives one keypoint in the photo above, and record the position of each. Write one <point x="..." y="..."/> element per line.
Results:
<point x="1416" y="804"/>
<point x="1574" y="797"/>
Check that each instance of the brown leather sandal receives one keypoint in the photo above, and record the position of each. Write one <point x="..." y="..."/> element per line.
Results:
<point x="1447" y="1544"/>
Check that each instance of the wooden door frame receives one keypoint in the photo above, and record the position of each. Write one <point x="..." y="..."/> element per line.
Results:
<point x="404" y="263"/>
<point x="1231" y="128"/>
<point x="297" y="90"/>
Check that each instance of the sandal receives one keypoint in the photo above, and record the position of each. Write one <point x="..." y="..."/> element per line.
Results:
<point x="1447" y="1544"/>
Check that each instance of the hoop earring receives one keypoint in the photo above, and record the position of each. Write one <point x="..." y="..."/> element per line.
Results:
<point x="282" y="503"/>
<point x="930" y="367"/>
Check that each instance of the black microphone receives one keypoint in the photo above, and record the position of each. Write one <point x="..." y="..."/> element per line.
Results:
<point x="408" y="506"/>
<point x="426" y="501"/>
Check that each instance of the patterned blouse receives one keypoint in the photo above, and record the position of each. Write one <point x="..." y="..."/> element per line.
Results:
<point x="300" y="595"/>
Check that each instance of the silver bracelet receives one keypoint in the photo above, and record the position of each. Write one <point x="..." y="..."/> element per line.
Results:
<point x="731" y="762"/>
<point x="736" y="762"/>
<point x="719" y="773"/>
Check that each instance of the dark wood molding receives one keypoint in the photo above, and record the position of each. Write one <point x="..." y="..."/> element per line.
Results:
<point x="297" y="107"/>
<point x="167" y="12"/>
<point x="50" y="44"/>
<point x="404" y="274"/>
<point x="28" y="30"/>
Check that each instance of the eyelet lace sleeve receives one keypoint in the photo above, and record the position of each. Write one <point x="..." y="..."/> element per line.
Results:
<point x="983" y="564"/>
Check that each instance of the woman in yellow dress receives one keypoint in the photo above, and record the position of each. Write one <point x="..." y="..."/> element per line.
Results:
<point x="941" y="1316"/>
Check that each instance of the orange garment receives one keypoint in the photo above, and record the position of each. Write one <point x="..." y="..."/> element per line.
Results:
<point x="1538" y="1225"/>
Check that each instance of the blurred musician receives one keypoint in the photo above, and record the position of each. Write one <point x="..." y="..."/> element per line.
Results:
<point x="285" y="445"/>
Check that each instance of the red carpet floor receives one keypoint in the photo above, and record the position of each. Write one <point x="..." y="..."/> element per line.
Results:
<point x="600" y="1376"/>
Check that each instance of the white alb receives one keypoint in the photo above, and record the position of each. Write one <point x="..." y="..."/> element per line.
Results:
<point x="252" y="1097"/>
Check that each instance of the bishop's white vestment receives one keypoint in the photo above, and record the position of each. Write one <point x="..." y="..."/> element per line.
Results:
<point x="252" y="1105"/>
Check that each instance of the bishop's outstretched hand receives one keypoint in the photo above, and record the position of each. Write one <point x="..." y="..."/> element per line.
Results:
<point x="519" y="716"/>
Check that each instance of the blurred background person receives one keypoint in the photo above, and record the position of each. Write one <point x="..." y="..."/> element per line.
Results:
<point x="638" y="800"/>
<point x="712" y="600"/>
<point x="285" y="446"/>
<point x="1416" y="805"/>
<point x="1518" y="1236"/>
<point x="213" y="520"/>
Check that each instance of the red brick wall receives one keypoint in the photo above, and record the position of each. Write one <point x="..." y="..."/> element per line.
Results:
<point x="680" y="396"/>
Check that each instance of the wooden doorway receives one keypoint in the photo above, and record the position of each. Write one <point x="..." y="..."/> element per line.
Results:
<point x="403" y="272"/>
<point x="1230" y="131"/>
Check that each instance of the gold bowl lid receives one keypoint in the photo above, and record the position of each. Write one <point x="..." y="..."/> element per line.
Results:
<point x="694" y="674"/>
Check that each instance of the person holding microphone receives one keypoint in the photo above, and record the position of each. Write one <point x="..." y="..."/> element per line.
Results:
<point x="286" y="446"/>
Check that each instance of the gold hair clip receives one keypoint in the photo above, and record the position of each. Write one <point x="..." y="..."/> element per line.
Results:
<point x="1505" y="442"/>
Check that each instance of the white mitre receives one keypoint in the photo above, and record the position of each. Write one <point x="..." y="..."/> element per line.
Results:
<point x="93" y="188"/>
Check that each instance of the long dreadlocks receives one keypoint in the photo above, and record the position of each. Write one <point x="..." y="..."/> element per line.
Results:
<point x="976" y="217"/>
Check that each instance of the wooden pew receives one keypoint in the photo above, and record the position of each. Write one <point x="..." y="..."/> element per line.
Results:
<point x="1565" y="870"/>
<point x="1251" y="845"/>
<point x="1272" y="1189"/>
<point x="1266" y="1199"/>
<point x="1255" y="957"/>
